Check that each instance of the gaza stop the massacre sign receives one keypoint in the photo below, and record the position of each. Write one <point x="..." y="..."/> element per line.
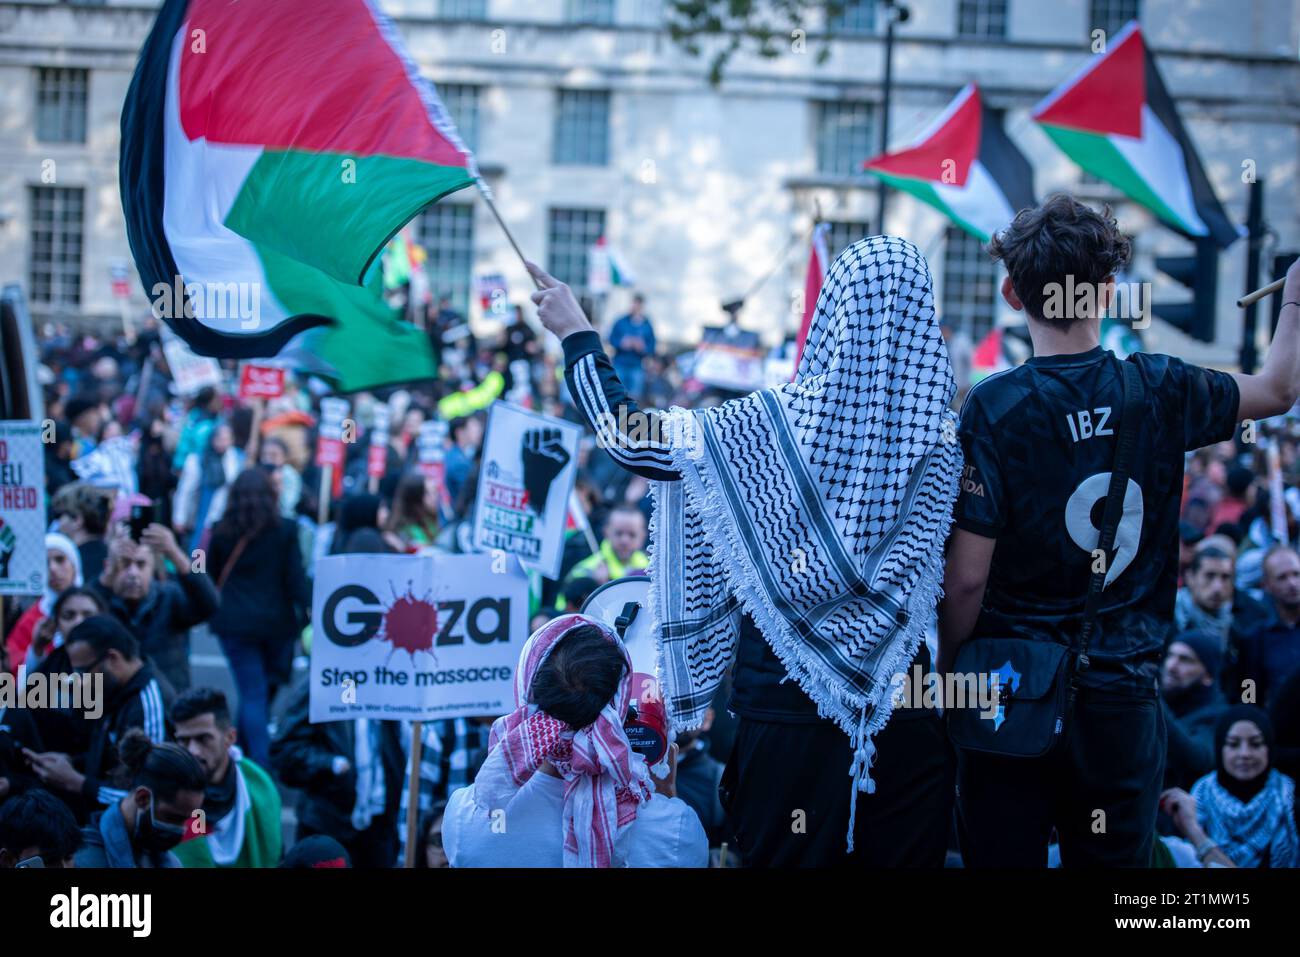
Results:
<point x="416" y="637"/>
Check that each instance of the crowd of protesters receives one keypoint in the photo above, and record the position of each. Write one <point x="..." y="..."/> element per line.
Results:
<point x="174" y="514"/>
<point x="171" y="513"/>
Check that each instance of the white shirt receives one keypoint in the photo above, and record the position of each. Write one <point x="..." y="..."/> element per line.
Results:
<point x="666" y="833"/>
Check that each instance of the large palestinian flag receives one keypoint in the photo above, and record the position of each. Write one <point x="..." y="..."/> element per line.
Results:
<point x="1116" y="120"/>
<point x="270" y="149"/>
<point x="963" y="165"/>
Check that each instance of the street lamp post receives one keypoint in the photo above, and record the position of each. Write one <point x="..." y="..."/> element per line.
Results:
<point x="894" y="13"/>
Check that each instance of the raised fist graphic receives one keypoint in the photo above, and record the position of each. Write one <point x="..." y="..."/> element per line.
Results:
<point x="544" y="458"/>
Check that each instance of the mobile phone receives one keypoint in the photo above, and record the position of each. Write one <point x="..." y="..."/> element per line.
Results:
<point x="141" y="517"/>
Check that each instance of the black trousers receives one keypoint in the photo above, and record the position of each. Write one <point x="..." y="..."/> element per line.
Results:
<point x="786" y="790"/>
<point x="1099" y="788"/>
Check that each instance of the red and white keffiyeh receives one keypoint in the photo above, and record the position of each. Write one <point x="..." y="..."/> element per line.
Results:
<point x="604" y="779"/>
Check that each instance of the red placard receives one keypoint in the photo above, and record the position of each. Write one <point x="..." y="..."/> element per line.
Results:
<point x="377" y="461"/>
<point x="261" y="382"/>
<point x="329" y="452"/>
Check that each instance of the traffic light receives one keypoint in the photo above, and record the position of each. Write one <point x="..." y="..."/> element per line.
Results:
<point x="1200" y="274"/>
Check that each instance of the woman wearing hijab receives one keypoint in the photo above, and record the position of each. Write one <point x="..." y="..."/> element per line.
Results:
<point x="800" y="530"/>
<point x="1246" y="807"/>
<point x="63" y="572"/>
<point x="561" y="770"/>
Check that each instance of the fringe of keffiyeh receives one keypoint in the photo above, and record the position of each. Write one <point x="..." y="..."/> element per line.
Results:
<point x="861" y="717"/>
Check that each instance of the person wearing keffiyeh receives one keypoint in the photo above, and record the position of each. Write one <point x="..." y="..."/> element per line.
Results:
<point x="800" y="531"/>
<point x="1245" y="806"/>
<point x="561" y="784"/>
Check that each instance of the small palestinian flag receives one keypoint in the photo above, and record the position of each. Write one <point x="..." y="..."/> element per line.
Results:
<point x="606" y="268"/>
<point x="964" y="166"/>
<point x="270" y="149"/>
<point x="1116" y="120"/>
<point x="819" y="261"/>
<point x="990" y="356"/>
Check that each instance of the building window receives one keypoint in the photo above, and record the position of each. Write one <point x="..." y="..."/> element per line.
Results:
<point x="461" y="100"/>
<point x="463" y="9"/>
<point x="61" y="105"/>
<point x="982" y="18"/>
<point x="970" y="280"/>
<point x="844" y="235"/>
<point x="590" y="11"/>
<point x="447" y="234"/>
<point x="58" y="213"/>
<point x="846" y="134"/>
<point x="1111" y="15"/>
<point x="852" y="17"/>
<point x="582" y="128"/>
<point x="570" y="235"/>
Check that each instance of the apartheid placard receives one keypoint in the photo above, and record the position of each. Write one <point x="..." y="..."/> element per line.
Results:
<point x="22" y="509"/>
<point x="528" y="467"/>
<point x="416" y="637"/>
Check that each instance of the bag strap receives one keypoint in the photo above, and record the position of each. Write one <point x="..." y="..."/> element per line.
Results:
<point x="230" y="562"/>
<point x="1130" y="415"/>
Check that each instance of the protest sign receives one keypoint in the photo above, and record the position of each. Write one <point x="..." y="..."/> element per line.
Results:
<point x="416" y="637"/>
<point x="736" y="368"/>
<point x="528" y="467"/>
<point x="377" y="451"/>
<point x="493" y="295"/>
<point x="329" y="441"/>
<point x="22" y="509"/>
<point x="260" y="382"/>
<point x="191" y="372"/>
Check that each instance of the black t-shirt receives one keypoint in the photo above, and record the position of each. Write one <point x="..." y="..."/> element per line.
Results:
<point x="1039" y="442"/>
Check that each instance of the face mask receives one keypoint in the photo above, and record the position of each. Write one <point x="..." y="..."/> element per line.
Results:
<point x="153" y="835"/>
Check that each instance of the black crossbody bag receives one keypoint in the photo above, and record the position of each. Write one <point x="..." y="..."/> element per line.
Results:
<point x="1038" y="680"/>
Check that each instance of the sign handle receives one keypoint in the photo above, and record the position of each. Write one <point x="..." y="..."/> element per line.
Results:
<point x="326" y="487"/>
<point x="255" y="433"/>
<point x="413" y="792"/>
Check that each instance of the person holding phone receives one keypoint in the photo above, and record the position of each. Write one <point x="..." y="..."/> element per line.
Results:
<point x="158" y="611"/>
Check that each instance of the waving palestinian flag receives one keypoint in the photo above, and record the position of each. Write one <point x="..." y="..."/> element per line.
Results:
<point x="964" y="166"/>
<point x="270" y="149"/>
<point x="1116" y="120"/>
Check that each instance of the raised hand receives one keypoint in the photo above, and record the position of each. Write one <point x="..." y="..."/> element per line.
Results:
<point x="557" y="308"/>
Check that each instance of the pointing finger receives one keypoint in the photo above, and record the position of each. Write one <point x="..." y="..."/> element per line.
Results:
<point x="543" y="278"/>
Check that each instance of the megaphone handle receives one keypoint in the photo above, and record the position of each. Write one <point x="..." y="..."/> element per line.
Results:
<point x="624" y="621"/>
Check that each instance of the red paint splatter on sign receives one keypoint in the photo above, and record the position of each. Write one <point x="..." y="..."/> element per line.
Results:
<point x="410" y="624"/>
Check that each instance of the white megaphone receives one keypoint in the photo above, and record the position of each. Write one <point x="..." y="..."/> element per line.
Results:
<point x="623" y="605"/>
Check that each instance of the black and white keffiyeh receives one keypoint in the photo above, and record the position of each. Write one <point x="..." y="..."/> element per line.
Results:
<point x="820" y="508"/>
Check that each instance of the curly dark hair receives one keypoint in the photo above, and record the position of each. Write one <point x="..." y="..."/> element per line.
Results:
<point x="1059" y="245"/>
<point x="251" y="506"/>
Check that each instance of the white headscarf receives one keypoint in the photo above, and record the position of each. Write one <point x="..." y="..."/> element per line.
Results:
<point x="61" y="543"/>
